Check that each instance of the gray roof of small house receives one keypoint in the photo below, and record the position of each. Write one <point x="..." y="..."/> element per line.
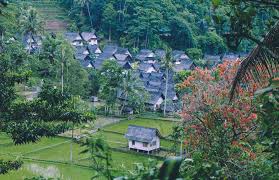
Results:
<point x="184" y="65"/>
<point x="144" y="75"/>
<point x="80" y="49"/>
<point x="145" y="66"/>
<point x="157" y="84"/>
<point x="161" y="54"/>
<point x="122" y="57"/>
<point x="141" y="134"/>
<point x="144" y="53"/>
<point x="88" y="35"/>
<point x="121" y="50"/>
<point x="80" y="56"/>
<point x="153" y="97"/>
<point x="92" y="48"/>
<point x="124" y="64"/>
<point x="110" y="49"/>
<point x="156" y="76"/>
<point x="178" y="55"/>
<point x="85" y="64"/>
<point x="72" y="36"/>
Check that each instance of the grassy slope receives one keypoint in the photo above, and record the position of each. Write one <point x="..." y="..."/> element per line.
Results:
<point x="55" y="18"/>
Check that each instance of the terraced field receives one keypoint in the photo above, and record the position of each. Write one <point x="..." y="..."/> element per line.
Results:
<point x="56" y="19"/>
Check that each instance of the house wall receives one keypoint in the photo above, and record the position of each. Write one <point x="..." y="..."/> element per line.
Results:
<point x="150" y="146"/>
<point x="93" y="41"/>
<point x="77" y="43"/>
<point x="150" y="70"/>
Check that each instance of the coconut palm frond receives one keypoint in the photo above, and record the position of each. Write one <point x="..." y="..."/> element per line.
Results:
<point x="262" y="62"/>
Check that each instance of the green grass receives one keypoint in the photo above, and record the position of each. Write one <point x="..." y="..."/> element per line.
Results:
<point x="31" y="169"/>
<point x="164" y="127"/>
<point x="12" y="149"/>
<point x="57" y="149"/>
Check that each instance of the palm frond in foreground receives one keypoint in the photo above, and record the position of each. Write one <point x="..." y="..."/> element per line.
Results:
<point x="262" y="62"/>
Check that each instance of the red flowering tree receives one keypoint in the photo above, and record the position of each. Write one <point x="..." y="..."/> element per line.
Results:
<point x="219" y="129"/>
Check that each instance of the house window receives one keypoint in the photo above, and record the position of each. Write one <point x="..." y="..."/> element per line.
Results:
<point x="144" y="144"/>
<point x="133" y="143"/>
<point x="154" y="143"/>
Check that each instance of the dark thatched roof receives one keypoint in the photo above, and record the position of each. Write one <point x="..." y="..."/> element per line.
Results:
<point x="141" y="134"/>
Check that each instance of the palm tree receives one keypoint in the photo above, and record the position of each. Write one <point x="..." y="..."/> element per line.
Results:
<point x="167" y="64"/>
<point x="130" y="86"/>
<point x="262" y="61"/>
<point x="82" y="3"/>
<point x="30" y="23"/>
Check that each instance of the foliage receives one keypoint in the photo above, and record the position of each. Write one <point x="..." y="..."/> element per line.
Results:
<point x="27" y="121"/>
<point x="56" y="63"/>
<point x="194" y="53"/>
<point x="6" y="166"/>
<point x="268" y="119"/>
<point x="111" y="77"/>
<point x="134" y="95"/>
<point x="244" y="19"/>
<point x="219" y="131"/>
<point x="12" y="70"/>
<point x="100" y="157"/>
<point x="211" y="43"/>
<point x="146" y="24"/>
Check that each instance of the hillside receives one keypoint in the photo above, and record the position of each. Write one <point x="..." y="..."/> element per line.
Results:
<point x="55" y="17"/>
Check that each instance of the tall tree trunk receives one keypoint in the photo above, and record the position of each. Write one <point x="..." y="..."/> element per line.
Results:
<point x="110" y="33"/>
<point x="62" y="77"/>
<point x="89" y="13"/>
<point x="166" y="92"/>
<point x="146" y="38"/>
<point x="125" y="101"/>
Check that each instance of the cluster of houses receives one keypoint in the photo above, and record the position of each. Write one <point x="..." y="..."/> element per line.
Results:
<point x="146" y="63"/>
<point x="148" y="66"/>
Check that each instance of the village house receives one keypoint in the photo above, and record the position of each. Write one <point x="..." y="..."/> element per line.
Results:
<point x="74" y="38"/>
<point x="147" y="67"/>
<point x="146" y="55"/>
<point x="179" y="56"/>
<point x="160" y="54"/>
<point x="155" y="100"/>
<point x="143" y="139"/>
<point x="112" y="52"/>
<point x="94" y="50"/>
<point x="182" y="65"/>
<point x="32" y="43"/>
<point x="90" y="38"/>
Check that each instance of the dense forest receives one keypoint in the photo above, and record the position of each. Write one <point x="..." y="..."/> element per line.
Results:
<point x="179" y="24"/>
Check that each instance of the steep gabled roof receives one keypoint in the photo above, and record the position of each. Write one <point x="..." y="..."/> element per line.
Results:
<point x="88" y="35"/>
<point x="160" y="54"/>
<point x="72" y="36"/>
<point x="153" y="96"/>
<point x="144" y="53"/>
<point x="92" y="48"/>
<point x="110" y="49"/>
<point x="81" y="49"/>
<point x="124" y="64"/>
<point x="86" y="64"/>
<point x="179" y="55"/>
<point x="145" y="66"/>
<point x="184" y="65"/>
<point x="141" y="134"/>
